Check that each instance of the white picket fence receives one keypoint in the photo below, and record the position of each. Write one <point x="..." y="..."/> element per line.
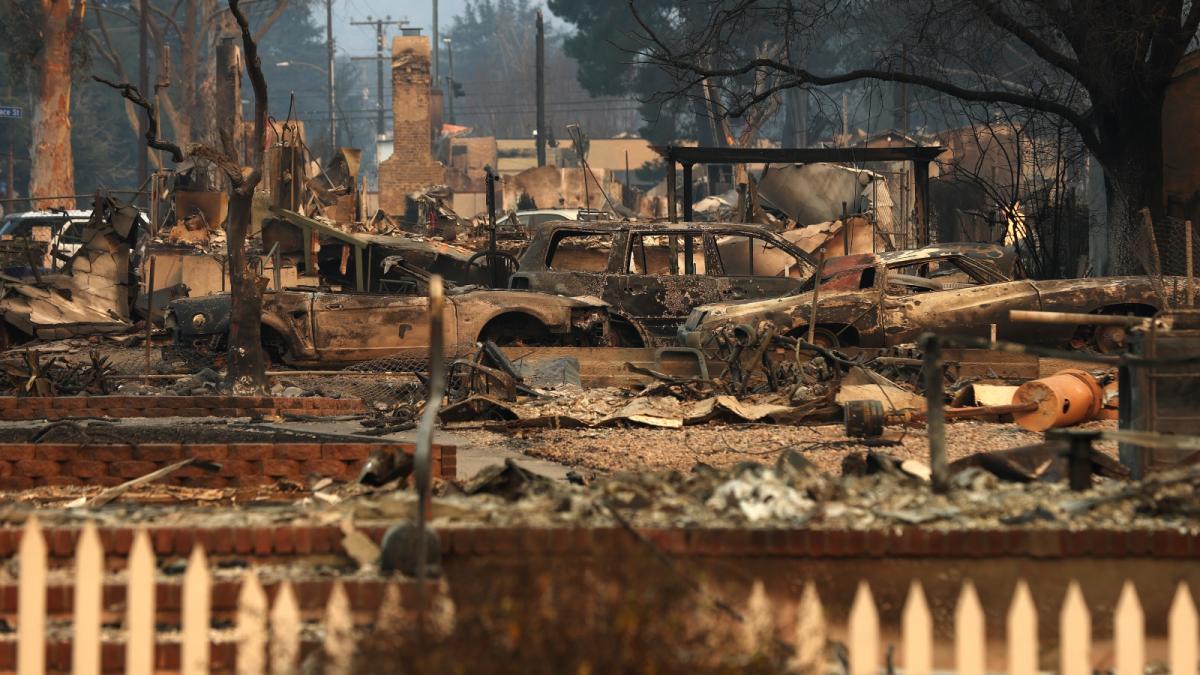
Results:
<point x="269" y="639"/>
<point x="265" y="636"/>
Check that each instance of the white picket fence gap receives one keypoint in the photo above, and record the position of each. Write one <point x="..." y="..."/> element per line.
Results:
<point x="268" y="637"/>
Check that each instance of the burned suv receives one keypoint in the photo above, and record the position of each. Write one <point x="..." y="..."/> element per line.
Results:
<point x="652" y="275"/>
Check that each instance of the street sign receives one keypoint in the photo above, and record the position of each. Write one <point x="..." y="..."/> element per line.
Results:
<point x="11" y="111"/>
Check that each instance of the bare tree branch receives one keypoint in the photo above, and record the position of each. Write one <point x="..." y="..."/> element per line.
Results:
<point x="1039" y="46"/>
<point x="259" y="84"/>
<point x="265" y="26"/>
<point x="132" y="94"/>
<point x="666" y="57"/>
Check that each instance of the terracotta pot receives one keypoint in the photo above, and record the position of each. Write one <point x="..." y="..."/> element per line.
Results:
<point x="1064" y="399"/>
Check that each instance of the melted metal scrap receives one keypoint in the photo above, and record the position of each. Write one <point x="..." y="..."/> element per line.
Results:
<point x="92" y="295"/>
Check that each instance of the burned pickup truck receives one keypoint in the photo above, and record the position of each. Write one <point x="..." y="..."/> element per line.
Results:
<point x="891" y="298"/>
<point x="309" y="326"/>
<point x="652" y="275"/>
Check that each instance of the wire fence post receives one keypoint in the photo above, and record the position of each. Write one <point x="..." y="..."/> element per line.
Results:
<point x="935" y="412"/>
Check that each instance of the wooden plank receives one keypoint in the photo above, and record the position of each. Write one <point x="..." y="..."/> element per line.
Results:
<point x="251" y="626"/>
<point x="285" y="631"/>
<point x="917" y="626"/>
<point x="89" y="582"/>
<point x="970" y="648"/>
<point x="197" y="612"/>
<point x="863" y="638"/>
<point x="1022" y="627"/>
<point x="140" y="599"/>
<point x="810" y="631"/>
<point x="1182" y="633"/>
<point x="31" y="601"/>
<point x="1129" y="633"/>
<point x="1075" y="633"/>
<point x="339" y="633"/>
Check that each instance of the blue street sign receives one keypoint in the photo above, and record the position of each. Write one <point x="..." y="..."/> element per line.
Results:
<point x="10" y="111"/>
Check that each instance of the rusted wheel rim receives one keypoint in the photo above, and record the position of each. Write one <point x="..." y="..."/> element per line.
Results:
<point x="1110" y="339"/>
<point x="823" y="337"/>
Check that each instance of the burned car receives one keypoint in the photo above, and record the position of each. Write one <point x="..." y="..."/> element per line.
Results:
<point x="309" y="326"/>
<point x="652" y="275"/>
<point x="891" y="298"/>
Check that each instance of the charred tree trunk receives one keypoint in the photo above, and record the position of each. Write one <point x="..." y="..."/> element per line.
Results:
<point x="247" y="363"/>
<point x="1132" y="157"/>
<point x="53" y="171"/>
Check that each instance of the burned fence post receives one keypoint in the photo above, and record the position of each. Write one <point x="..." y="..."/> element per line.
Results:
<point x="1079" y="455"/>
<point x="149" y="315"/>
<point x="935" y="413"/>
<point x="494" y="277"/>
<point x="672" y="207"/>
<point x="687" y="192"/>
<point x="812" y="319"/>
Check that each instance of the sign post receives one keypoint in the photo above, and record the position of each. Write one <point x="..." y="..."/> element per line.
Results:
<point x="11" y="112"/>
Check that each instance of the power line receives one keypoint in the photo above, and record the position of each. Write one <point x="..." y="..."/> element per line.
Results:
<point x="380" y="26"/>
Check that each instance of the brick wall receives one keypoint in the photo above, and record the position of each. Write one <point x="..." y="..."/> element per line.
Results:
<point x="65" y="407"/>
<point x="411" y="166"/>
<point x="28" y="465"/>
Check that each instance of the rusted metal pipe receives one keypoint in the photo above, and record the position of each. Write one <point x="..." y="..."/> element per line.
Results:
<point x="1075" y="318"/>
<point x="812" y="319"/>
<point x="149" y="314"/>
<point x="935" y="413"/>
<point x="422" y="469"/>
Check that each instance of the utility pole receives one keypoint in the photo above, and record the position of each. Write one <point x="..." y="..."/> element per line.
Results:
<point x="541" y="91"/>
<point x="450" y="88"/>
<point x="331" y="81"/>
<point x="433" y="67"/>
<point x="143" y="84"/>
<point x="380" y="57"/>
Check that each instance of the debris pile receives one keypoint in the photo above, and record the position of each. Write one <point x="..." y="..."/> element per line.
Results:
<point x="793" y="494"/>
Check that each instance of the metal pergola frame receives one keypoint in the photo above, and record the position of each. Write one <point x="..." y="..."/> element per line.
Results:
<point x="920" y="156"/>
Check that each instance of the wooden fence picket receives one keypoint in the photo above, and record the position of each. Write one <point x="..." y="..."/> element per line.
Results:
<point x="391" y="612"/>
<point x="339" y="633"/>
<point x="89" y="584"/>
<point x="1075" y="633"/>
<point x="1182" y="632"/>
<point x="863" y="639"/>
<point x="1021" y="627"/>
<point x="969" y="637"/>
<point x="197" y="610"/>
<point x="274" y="630"/>
<point x="810" y="631"/>
<point x="285" y="631"/>
<point x="31" y="599"/>
<point x="251" y="626"/>
<point x="759" y="625"/>
<point x="917" y="629"/>
<point x="139" y="600"/>
<point x="1129" y="633"/>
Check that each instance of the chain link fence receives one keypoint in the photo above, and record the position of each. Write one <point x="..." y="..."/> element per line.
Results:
<point x="1162" y="250"/>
